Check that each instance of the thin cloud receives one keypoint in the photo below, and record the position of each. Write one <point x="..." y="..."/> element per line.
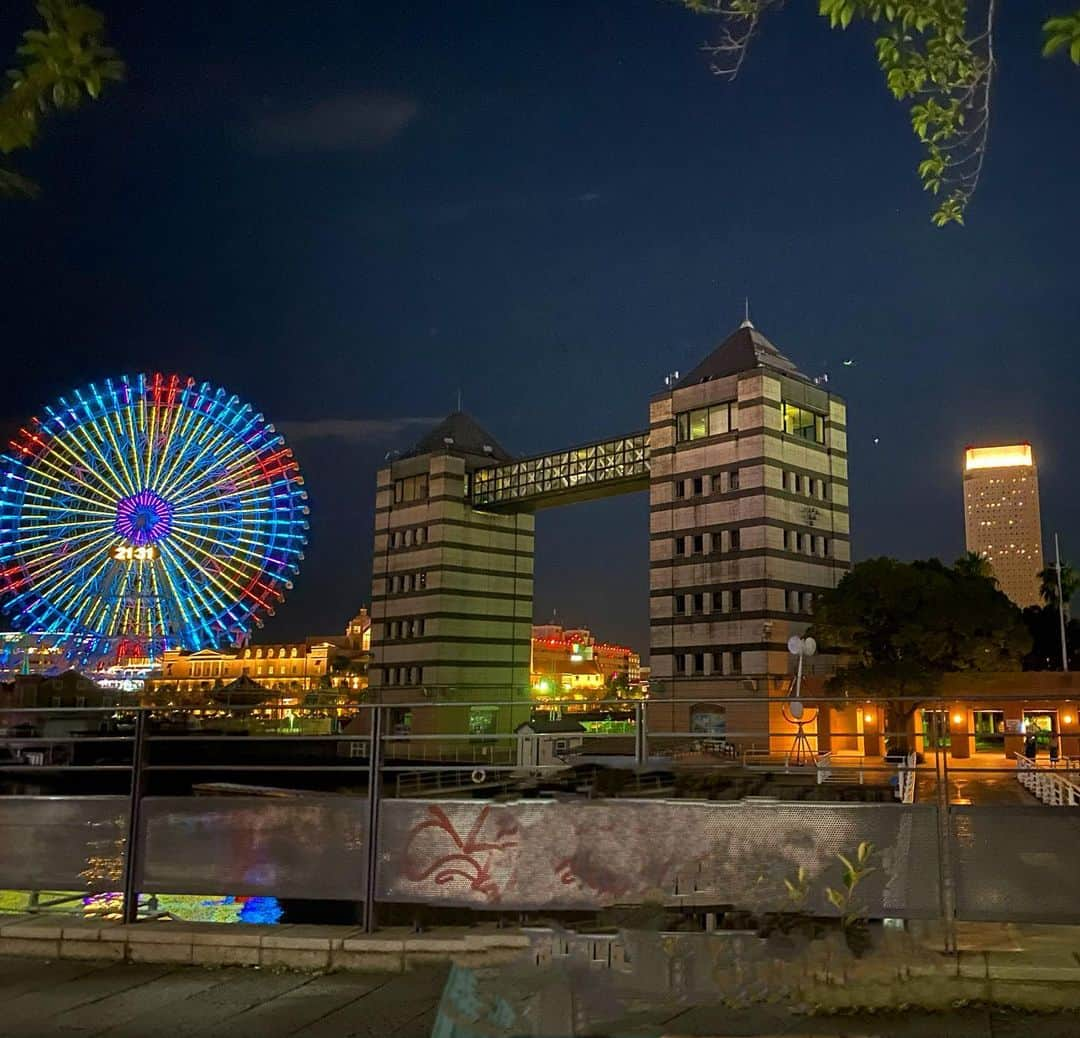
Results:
<point x="353" y="430"/>
<point x="366" y="120"/>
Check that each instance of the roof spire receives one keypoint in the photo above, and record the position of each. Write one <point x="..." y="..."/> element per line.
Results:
<point x="747" y="323"/>
<point x="459" y="399"/>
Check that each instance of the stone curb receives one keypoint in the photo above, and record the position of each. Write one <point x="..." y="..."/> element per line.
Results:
<point x="298" y="947"/>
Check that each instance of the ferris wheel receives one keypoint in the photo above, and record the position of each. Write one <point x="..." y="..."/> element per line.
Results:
<point x="148" y="512"/>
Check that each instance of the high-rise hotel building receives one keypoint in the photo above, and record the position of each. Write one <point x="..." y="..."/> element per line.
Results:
<point x="748" y="516"/>
<point x="1001" y="516"/>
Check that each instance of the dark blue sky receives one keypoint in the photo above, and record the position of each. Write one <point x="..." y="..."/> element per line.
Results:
<point x="348" y="211"/>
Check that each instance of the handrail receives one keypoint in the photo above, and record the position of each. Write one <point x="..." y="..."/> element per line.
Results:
<point x="1046" y="783"/>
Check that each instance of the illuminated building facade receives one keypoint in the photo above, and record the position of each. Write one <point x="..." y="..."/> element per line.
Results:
<point x="572" y="659"/>
<point x="1001" y="517"/>
<point x="745" y="461"/>
<point x="748" y="516"/>
<point x="334" y="662"/>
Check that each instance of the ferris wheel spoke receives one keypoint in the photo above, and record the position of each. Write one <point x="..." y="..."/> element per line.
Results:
<point x="118" y="487"/>
<point x="54" y="581"/>
<point x="240" y="576"/>
<point x="207" y="448"/>
<point x="208" y="593"/>
<point x="99" y="495"/>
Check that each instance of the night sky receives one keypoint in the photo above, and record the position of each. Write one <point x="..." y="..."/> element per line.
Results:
<point x="347" y="212"/>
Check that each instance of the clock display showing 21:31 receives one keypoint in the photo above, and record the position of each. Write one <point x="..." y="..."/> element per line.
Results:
<point x="130" y="553"/>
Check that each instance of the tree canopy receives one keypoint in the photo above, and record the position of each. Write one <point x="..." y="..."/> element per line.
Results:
<point x="901" y="626"/>
<point x="58" y="65"/>
<point x="938" y="55"/>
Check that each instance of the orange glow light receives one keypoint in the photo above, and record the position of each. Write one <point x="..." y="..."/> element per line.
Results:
<point x="957" y="718"/>
<point x="868" y="718"/>
<point x="1068" y="719"/>
<point x="998" y="457"/>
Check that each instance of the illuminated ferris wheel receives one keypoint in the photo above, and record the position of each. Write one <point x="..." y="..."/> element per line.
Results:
<point x="148" y="512"/>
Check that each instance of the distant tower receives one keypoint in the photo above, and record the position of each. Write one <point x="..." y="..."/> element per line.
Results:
<point x="1001" y="516"/>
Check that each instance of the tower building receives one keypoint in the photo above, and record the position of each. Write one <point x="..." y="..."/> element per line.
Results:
<point x="748" y="513"/>
<point x="1001" y="516"/>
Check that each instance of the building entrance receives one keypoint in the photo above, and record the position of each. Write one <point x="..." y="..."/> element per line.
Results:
<point x="1043" y="725"/>
<point x="989" y="731"/>
<point x="935" y="727"/>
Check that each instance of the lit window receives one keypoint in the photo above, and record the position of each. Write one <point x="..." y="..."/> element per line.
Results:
<point x="699" y="424"/>
<point x="800" y="422"/>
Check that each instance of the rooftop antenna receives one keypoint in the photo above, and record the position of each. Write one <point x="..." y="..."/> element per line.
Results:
<point x="747" y="323"/>
<point x="459" y="400"/>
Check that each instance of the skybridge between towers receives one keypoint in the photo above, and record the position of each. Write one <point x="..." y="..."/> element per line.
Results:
<point x="745" y="463"/>
<point x="615" y="466"/>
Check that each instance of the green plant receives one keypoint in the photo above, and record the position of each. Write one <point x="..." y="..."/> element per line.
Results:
<point x="938" y="55"/>
<point x="57" y="65"/>
<point x="852" y="913"/>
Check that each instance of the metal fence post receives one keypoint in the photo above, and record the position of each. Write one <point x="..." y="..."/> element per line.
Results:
<point x="374" y="797"/>
<point x="133" y="848"/>
<point x="641" y="747"/>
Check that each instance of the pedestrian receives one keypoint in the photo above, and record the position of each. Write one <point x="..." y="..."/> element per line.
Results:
<point x="1031" y="746"/>
<point x="1055" y="750"/>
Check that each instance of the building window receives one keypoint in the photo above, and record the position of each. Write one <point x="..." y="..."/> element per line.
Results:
<point x="699" y="486"/>
<point x="796" y="483"/>
<point x="733" y="480"/>
<point x="699" y="544"/>
<point x="395" y="629"/>
<point x="825" y="546"/>
<point x="706" y="421"/>
<point x="680" y="488"/>
<point x="793" y="601"/>
<point x="413" y="488"/>
<point x="736" y="600"/>
<point x="808" y="601"/>
<point x="395" y="539"/>
<point x="680" y="547"/>
<point x="736" y="663"/>
<point x="680" y="663"/>
<point x="421" y="535"/>
<point x="699" y="663"/>
<point x="418" y="628"/>
<point x="733" y="540"/>
<point x="680" y="605"/>
<point x="717" y="662"/>
<point x="408" y="538"/>
<point x="421" y="580"/>
<point x="804" y="424"/>
<point x="699" y="603"/>
<point x="824" y="491"/>
<point x="406" y="582"/>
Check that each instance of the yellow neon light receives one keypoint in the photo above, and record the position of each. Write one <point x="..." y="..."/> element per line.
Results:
<point x="1018" y="454"/>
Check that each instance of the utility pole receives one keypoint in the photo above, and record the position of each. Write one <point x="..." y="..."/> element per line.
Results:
<point x="1061" y="606"/>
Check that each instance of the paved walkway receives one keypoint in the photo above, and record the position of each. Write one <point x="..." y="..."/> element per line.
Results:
<point x="51" y="999"/>
<point x="39" y="999"/>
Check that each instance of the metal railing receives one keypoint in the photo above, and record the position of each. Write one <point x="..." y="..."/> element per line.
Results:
<point x="52" y="743"/>
<point x="1048" y="784"/>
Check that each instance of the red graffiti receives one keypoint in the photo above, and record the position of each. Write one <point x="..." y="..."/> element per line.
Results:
<point x="470" y="860"/>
